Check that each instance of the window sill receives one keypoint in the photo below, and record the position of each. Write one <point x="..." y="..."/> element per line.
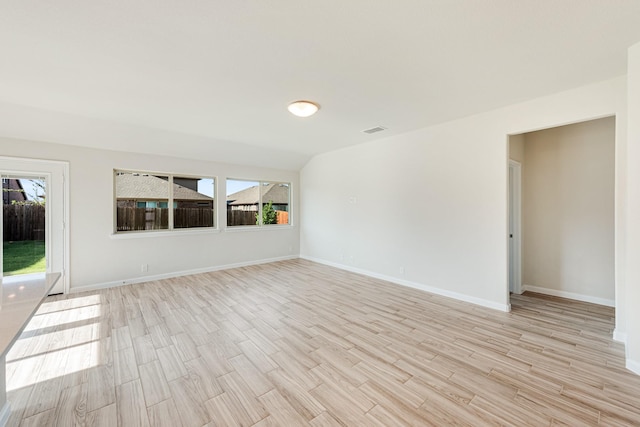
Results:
<point x="162" y="233"/>
<point x="242" y="228"/>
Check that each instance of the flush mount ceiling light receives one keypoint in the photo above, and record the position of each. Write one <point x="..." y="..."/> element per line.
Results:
<point x="303" y="108"/>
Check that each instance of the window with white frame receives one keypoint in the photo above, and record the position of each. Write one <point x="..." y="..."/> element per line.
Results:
<point x="142" y="201"/>
<point x="258" y="203"/>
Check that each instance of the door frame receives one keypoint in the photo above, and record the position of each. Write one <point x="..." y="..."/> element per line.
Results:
<point x="57" y="173"/>
<point x="514" y="243"/>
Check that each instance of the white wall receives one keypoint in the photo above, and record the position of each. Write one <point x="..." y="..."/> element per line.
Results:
<point x="97" y="258"/>
<point x="568" y="211"/>
<point x="433" y="203"/>
<point x="632" y="265"/>
<point x="516" y="148"/>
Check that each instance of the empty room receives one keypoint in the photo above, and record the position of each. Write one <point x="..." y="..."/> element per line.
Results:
<point x="294" y="213"/>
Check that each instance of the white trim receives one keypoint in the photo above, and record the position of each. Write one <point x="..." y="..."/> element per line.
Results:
<point x="132" y="281"/>
<point x="516" y="167"/>
<point x="620" y="336"/>
<point x="242" y="228"/>
<point x="50" y="165"/>
<point x="415" y="285"/>
<point x="570" y="295"/>
<point x="143" y="234"/>
<point x="5" y="413"/>
<point x="633" y="366"/>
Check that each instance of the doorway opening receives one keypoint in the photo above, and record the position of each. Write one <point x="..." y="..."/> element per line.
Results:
<point x="562" y="192"/>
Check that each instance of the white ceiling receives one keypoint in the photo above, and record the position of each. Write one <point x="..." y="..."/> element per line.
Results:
<point x="211" y="78"/>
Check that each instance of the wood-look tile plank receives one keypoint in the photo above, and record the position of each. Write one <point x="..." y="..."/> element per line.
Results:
<point x="101" y="391"/>
<point x="339" y="405"/>
<point x="121" y="338"/>
<point x="144" y="349"/>
<point x="192" y="410"/>
<point x="186" y="347"/>
<point x="172" y="365"/>
<point x="281" y="410"/>
<point x="226" y="410"/>
<point x="260" y="359"/>
<point x="325" y="419"/>
<point x="342" y="388"/>
<point x="235" y="386"/>
<point x="41" y="419"/>
<point x="124" y="366"/>
<point x="164" y="414"/>
<point x="379" y="416"/>
<point x="154" y="383"/>
<point x="203" y="378"/>
<point x="256" y="380"/>
<point x="395" y="405"/>
<point x="107" y="416"/>
<point x="72" y="406"/>
<point x="296" y="394"/>
<point x="131" y="406"/>
<point x="48" y="393"/>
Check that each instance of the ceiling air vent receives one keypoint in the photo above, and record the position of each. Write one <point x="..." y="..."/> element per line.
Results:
<point x="374" y="130"/>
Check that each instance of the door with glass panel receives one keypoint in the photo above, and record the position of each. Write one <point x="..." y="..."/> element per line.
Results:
<point x="33" y="220"/>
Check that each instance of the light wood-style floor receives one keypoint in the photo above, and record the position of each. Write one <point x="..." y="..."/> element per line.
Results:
<point x="296" y="343"/>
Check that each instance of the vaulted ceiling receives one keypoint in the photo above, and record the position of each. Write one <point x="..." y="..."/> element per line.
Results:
<point x="212" y="79"/>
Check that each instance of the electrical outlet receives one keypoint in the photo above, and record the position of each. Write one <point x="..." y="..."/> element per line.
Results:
<point x="144" y="268"/>
<point x="401" y="270"/>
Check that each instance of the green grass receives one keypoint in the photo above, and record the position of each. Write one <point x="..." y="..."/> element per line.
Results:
<point x="23" y="257"/>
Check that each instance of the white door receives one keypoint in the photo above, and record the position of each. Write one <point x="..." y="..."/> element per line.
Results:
<point x="53" y="174"/>
<point x="515" y="262"/>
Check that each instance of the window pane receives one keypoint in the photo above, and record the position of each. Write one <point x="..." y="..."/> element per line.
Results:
<point x="242" y="202"/>
<point x="193" y="202"/>
<point x="275" y="203"/>
<point x="24" y="214"/>
<point x="136" y="193"/>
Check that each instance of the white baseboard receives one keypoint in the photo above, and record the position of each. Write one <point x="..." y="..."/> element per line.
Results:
<point x="620" y="336"/>
<point x="633" y="366"/>
<point x="415" y="285"/>
<point x="143" y="279"/>
<point x="5" y="412"/>
<point x="570" y="295"/>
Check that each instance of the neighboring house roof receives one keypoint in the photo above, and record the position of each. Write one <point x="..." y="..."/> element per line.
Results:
<point x="135" y="187"/>
<point x="276" y="193"/>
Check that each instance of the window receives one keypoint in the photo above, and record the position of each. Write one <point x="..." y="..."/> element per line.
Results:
<point x="142" y="201"/>
<point x="257" y="203"/>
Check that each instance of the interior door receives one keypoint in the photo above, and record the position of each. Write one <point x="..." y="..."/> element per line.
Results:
<point x="514" y="203"/>
<point x="511" y="245"/>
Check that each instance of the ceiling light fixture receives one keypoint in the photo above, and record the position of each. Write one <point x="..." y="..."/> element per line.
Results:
<point x="303" y="108"/>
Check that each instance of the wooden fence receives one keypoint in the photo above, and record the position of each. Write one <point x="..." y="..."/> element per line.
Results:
<point x="283" y="217"/>
<point x="192" y="217"/>
<point x="239" y="217"/>
<point x="27" y="222"/>
<point x="23" y="222"/>
<point x="132" y="219"/>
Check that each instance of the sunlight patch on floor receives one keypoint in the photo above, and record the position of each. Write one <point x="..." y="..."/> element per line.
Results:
<point x="65" y="336"/>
